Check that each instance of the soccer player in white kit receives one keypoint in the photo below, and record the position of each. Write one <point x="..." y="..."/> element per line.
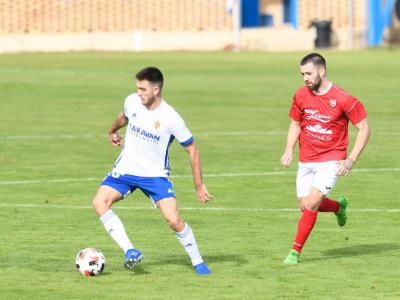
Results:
<point x="152" y="125"/>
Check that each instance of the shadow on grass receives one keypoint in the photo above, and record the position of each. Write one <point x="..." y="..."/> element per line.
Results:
<point x="209" y="259"/>
<point x="183" y="261"/>
<point x="106" y="273"/>
<point x="360" y="250"/>
<point x="237" y="259"/>
<point x="139" y="270"/>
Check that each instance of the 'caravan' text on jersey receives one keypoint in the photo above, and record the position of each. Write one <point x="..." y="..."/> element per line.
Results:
<point x="148" y="137"/>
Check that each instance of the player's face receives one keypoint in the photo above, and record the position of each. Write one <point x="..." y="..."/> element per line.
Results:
<point x="312" y="75"/>
<point x="147" y="91"/>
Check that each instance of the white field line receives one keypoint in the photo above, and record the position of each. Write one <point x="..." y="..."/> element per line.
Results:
<point x="204" y="134"/>
<point x="50" y="137"/>
<point x="218" y="209"/>
<point x="257" y="174"/>
<point x="103" y="136"/>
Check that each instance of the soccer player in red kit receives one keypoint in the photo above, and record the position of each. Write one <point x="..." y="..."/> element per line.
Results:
<point x="319" y="116"/>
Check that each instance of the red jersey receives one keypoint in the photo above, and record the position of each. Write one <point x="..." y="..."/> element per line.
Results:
<point x="324" y="122"/>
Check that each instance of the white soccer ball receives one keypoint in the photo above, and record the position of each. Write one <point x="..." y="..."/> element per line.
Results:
<point x="90" y="262"/>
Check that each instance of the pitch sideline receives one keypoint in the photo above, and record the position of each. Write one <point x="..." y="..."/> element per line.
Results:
<point x="205" y="134"/>
<point x="272" y="173"/>
<point x="215" y="209"/>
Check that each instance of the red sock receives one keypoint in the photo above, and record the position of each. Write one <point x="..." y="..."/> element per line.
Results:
<point x="329" y="205"/>
<point x="306" y="224"/>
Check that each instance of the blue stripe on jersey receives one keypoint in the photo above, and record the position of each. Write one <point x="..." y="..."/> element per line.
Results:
<point x="118" y="159"/>
<point x="166" y="159"/>
<point x="188" y="142"/>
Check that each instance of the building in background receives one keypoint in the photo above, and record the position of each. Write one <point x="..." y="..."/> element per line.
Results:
<point x="160" y="25"/>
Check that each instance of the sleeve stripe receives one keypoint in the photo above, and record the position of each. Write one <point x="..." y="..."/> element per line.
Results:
<point x="187" y="142"/>
<point x="354" y="104"/>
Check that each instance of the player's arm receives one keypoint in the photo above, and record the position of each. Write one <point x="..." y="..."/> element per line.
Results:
<point x="292" y="137"/>
<point x="194" y="155"/>
<point x="113" y="137"/>
<point x="362" y="138"/>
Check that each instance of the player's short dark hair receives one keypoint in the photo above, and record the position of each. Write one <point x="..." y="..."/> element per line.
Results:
<point x="151" y="74"/>
<point x="315" y="58"/>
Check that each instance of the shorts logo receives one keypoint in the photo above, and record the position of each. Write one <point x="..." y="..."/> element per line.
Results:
<point x="115" y="174"/>
<point x="332" y="103"/>
<point x="170" y="191"/>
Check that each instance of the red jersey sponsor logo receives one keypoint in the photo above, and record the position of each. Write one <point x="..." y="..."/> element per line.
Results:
<point x="319" y="129"/>
<point x="313" y="114"/>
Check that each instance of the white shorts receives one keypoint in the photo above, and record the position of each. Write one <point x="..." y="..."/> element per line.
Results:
<point x="321" y="175"/>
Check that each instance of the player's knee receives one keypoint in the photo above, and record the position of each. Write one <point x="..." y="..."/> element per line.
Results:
<point x="307" y="207"/>
<point x="100" y="202"/>
<point x="96" y="202"/>
<point x="310" y="206"/>
<point x="176" y="224"/>
<point x="301" y="204"/>
<point x="309" y="203"/>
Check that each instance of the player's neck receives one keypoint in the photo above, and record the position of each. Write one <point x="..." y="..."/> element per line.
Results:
<point x="324" y="87"/>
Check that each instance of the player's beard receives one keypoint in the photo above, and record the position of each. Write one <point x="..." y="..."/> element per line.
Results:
<point x="316" y="85"/>
<point x="149" y="101"/>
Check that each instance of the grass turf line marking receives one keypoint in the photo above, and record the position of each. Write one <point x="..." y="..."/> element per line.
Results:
<point x="103" y="136"/>
<point x="365" y="210"/>
<point x="273" y="173"/>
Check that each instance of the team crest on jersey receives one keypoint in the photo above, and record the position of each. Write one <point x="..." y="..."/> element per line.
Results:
<point x="134" y="115"/>
<point x="157" y="124"/>
<point x="332" y="103"/>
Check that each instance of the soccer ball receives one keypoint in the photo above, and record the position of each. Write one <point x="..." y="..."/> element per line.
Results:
<point x="90" y="262"/>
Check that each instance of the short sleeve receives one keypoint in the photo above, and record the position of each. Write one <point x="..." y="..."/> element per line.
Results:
<point x="354" y="110"/>
<point x="180" y="131"/>
<point x="131" y="105"/>
<point x="295" y="112"/>
<point x="126" y="107"/>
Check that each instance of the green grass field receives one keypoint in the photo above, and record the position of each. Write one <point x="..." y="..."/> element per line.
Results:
<point x="55" y="113"/>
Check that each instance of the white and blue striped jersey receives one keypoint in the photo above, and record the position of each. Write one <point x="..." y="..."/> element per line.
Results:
<point x="148" y="136"/>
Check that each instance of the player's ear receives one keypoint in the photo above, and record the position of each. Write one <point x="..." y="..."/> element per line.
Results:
<point x="322" y="72"/>
<point x="157" y="90"/>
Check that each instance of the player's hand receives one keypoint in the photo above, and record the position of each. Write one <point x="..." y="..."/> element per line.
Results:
<point x="344" y="167"/>
<point x="286" y="159"/>
<point x="203" y="195"/>
<point x="115" y="139"/>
